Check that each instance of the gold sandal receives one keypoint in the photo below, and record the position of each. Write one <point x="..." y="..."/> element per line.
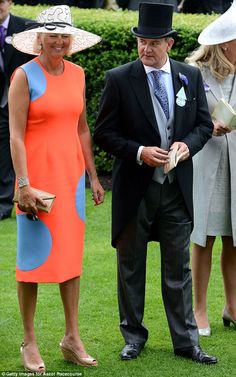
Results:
<point x="34" y="368"/>
<point x="73" y="356"/>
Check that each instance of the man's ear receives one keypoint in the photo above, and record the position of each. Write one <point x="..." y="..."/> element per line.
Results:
<point x="170" y="43"/>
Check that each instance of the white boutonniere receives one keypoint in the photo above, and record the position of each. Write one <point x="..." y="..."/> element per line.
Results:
<point x="181" y="96"/>
<point x="8" y="40"/>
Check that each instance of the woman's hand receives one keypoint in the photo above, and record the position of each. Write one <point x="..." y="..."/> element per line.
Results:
<point x="98" y="193"/>
<point x="28" y="200"/>
<point x="220" y="128"/>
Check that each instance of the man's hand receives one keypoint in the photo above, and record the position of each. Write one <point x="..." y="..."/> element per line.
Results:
<point x="154" y="156"/>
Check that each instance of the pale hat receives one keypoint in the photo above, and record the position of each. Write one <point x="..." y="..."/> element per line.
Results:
<point x="56" y="20"/>
<point x="223" y="29"/>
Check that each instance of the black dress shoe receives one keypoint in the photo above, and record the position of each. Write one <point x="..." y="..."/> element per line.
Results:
<point x="131" y="351"/>
<point x="196" y="354"/>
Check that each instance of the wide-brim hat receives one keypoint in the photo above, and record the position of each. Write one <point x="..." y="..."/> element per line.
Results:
<point x="155" y="21"/>
<point x="223" y="29"/>
<point x="56" y="20"/>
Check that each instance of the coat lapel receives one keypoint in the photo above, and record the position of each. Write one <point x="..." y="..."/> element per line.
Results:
<point x="9" y="50"/>
<point x="139" y="83"/>
<point x="177" y="85"/>
<point x="233" y="95"/>
<point x="13" y="27"/>
<point x="215" y="88"/>
<point x="212" y="83"/>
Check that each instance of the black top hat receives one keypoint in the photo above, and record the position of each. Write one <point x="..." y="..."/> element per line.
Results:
<point x="155" y="21"/>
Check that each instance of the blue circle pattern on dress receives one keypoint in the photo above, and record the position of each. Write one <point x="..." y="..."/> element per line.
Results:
<point x="36" y="79"/>
<point x="34" y="243"/>
<point x="80" y="198"/>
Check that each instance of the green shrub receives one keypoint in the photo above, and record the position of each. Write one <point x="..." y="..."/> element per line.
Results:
<point x="118" y="46"/>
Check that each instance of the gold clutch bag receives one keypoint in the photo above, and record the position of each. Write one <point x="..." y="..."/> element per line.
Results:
<point x="47" y="197"/>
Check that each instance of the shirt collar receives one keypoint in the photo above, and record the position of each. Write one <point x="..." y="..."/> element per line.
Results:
<point x="165" y="68"/>
<point x="6" y="22"/>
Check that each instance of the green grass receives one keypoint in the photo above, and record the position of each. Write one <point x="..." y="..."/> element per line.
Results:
<point x="98" y="315"/>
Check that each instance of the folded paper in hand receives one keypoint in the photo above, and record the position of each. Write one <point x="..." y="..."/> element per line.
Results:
<point x="224" y="113"/>
<point x="173" y="159"/>
<point x="46" y="196"/>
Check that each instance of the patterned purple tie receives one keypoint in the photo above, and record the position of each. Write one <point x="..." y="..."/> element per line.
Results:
<point x="160" y="91"/>
<point x="2" y="36"/>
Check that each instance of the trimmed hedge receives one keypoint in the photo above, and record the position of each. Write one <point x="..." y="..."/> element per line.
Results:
<point x="118" y="47"/>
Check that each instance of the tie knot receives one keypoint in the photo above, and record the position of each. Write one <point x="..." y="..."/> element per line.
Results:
<point x="157" y="74"/>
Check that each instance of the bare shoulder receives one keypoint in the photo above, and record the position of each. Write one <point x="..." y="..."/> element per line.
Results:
<point x="19" y="80"/>
<point x="19" y="88"/>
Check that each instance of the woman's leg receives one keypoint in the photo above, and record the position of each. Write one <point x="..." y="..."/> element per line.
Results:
<point x="70" y="297"/>
<point x="27" y="295"/>
<point x="201" y="269"/>
<point x="228" y="268"/>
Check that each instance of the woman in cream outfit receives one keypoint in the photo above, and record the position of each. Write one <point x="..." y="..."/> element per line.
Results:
<point x="214" y="182"/>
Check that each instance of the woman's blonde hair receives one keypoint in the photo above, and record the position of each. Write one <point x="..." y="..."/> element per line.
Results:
<point x="213" y="58"/>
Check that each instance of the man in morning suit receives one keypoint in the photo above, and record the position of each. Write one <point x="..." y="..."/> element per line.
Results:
<point x="148" y="107"/>
<point x="10" y="58"/>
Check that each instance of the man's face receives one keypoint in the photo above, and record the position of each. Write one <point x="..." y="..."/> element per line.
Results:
<point x="5" y="6"/>
<point x="153" y="52"/>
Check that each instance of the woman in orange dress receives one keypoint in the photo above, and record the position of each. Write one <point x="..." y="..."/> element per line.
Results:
<point x="51" y="149"/>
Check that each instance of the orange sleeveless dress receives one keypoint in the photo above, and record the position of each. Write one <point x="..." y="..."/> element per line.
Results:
<point x="50" y="249"/>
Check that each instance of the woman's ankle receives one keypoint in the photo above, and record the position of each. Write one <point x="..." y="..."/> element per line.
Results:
<point x="201" y="318"/>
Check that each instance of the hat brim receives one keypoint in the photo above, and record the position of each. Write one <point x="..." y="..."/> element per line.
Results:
<point x="138" y="33"/>
<point x="24" y="41"/>
<point x="221" y="30"/>
<point x="216" y="33"/>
